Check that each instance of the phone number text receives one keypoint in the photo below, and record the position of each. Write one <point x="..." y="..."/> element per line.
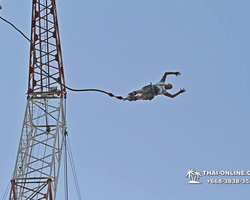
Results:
<point x="228" y="181"/>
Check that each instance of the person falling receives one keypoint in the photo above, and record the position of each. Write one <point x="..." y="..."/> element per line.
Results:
<point x="148" y="92"/>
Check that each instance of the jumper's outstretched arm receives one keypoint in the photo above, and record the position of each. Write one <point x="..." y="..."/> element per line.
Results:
<point x="176" y="94"/>
<point x="168" y="73"/>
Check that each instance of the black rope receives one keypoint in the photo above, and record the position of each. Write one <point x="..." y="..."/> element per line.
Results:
<point x="15" y="28"/>
<point x="73" y="169"/>
<point x="7" y="189"/>
<point x="69" y="88"/>
<point x="66" y="186"/>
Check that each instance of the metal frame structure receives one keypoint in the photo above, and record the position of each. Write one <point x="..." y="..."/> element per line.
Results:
<point x="39" y="153"/>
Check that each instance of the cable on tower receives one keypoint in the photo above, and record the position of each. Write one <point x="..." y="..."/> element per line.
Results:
<point x="73" y="169"/>
<point x="69" y="88"/>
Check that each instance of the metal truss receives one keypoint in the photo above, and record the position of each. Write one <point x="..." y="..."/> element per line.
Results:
<point x="38" y="159"/>
<point x="46" y="66"/>
<point x="39" y="154"/>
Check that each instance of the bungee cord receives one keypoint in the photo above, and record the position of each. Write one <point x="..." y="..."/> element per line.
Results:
<point x="69" y="88"/>
<point x="14" y="27"/>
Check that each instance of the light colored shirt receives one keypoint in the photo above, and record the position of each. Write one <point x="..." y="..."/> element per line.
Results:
<point x="161" y="86"/>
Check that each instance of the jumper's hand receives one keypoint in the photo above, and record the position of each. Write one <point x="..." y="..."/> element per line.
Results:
<point x="182" y="90"/>
<point x="177" y="73"/>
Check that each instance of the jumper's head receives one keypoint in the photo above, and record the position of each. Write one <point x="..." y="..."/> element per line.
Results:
<point x="168" y="86"/>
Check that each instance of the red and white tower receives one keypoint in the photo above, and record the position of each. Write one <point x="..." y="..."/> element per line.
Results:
<point x="39" y="153"/>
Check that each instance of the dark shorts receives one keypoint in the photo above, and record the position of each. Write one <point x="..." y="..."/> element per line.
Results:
<point x="149" y="92"/>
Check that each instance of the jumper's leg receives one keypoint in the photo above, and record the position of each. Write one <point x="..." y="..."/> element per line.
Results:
<point x="140" y="97"/>
<point x="132" y="95"/>
<point x="139" y="91"/>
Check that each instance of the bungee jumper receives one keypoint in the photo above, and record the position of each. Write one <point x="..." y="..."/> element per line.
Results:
<point x="148" y="92"/>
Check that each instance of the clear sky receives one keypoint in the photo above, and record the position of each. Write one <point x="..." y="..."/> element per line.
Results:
<point x="141" y="150"/>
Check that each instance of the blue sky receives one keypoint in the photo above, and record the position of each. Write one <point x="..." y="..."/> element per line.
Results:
<point x="141" y="150"/>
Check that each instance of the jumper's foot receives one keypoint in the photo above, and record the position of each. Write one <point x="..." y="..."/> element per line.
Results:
<point x="131" y="97"/>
